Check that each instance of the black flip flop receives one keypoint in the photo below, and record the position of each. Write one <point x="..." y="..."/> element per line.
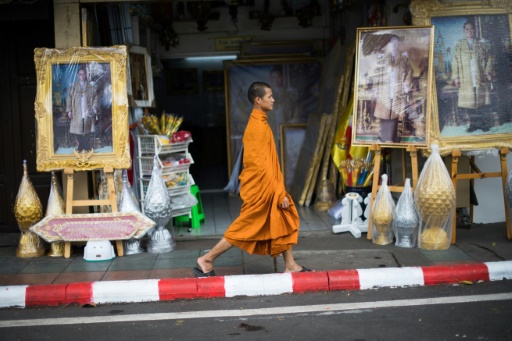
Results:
<point x="304" y="269"/>
<point x="199" y="273"/>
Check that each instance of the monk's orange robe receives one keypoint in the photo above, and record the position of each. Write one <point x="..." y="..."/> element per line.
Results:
<point x="262" y="227"/>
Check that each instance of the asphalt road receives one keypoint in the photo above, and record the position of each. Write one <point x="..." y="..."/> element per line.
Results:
<point x="480" y="311"/>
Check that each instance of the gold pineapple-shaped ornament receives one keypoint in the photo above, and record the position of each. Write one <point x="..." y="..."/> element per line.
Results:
<point x="28" y="211"/>
<point x="435" y="201"/>
<point x="55" y="206"/>
<point x="382" y="215"/>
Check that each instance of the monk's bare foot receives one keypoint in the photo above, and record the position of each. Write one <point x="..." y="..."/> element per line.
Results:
<point x="293" y="268"/>
<point x="204" y="265"/>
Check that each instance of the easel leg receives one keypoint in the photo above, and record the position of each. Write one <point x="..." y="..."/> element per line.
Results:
<point x="375" y="185"/>
<point x="503" y="159"/>
<point x="67" y="249"/>
<point x="119" y="246"/>
<point x="455" y="159"/>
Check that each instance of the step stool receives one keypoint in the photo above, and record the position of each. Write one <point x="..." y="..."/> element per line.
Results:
<point x="196" y="216"/>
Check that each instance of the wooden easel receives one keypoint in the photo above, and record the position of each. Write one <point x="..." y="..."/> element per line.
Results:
<point x="393" y="188"/>
<point x="477" y="174"/>
<point x="70" y="203"/>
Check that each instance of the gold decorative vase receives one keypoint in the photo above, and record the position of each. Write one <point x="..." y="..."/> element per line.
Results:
<point x="28" y="211"/>
<point x="435" y="200"/>
<point x="382" y="215"/>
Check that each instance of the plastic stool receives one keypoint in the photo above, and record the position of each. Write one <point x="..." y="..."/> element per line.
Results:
<point x="196" y="216"/>
<point x="197" y="210"/>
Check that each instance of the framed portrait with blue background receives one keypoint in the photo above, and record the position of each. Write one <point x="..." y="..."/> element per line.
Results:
<point x="472" y="68"/>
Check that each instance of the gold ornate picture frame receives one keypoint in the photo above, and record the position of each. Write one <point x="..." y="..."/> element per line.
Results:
<point x="470" y="104"/>
<point x="392" y="89"/>
<point x="81" y="108"/>
<point x="140" y="78"/>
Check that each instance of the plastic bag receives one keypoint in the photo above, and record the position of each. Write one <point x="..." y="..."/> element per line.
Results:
<point x="405" y="218"/>
<point x="434" y="197"/>
<point x="233" y="185"/>
<point x="336" y="209"/>
<point x="382" y="214"/>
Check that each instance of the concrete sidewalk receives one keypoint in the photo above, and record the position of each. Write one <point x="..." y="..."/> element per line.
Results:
<point x="340" y="261"/>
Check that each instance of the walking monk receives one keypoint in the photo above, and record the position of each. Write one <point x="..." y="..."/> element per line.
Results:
<point x="268" y="223"/>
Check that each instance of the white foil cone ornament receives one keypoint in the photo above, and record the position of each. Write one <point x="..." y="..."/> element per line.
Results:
<point x="158" y="208"/>
<point x="405" y="218"/>
<point x="434" y="196"/>
<point x="382" y="214"/>
<point x="128" y="203"/>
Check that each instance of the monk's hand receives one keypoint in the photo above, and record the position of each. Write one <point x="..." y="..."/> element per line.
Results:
<point x="285" y="204"/>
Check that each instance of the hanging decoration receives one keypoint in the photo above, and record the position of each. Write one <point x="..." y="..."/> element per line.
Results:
<point x="434" y="196"/>
<point x="28" y="211"/>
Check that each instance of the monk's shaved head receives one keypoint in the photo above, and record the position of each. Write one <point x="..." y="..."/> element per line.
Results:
<point x="257" y="89"/>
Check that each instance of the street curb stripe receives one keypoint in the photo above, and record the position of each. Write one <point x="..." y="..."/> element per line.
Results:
<point x="305" y="282"/>
<point x="210" y="287"/>
<point x="499" y="270"/>
<point x="125" y="291"/>
<point x="390" y="277"/>
<point x="13" y="296"/>
<point x="248" y="285"/>
<point x="173" y="288"/>
<point x="258" y="285"/>
<point x="455" y="273"/>
<point x="343" y="280"/>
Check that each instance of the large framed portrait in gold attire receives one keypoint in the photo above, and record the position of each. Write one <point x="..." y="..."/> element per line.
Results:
<point x="81" y="108"/>
<point x="472" y="72"/>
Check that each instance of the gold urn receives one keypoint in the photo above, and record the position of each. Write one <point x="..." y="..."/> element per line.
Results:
<point x="28" y="211"/>
<point x="435" y="200"/>
<point x="382" y="215"/>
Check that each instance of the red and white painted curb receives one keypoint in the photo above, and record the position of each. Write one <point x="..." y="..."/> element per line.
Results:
<point x="248" y="285"/>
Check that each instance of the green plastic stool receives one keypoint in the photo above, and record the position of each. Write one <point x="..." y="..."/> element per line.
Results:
<point x="197" y="213"/>
<point x="197" y="210"/>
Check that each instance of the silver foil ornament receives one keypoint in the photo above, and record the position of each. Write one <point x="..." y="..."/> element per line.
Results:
<point x="405" y="218"/>
<point x="128" y="203"/>
<point x="157" y="207"/>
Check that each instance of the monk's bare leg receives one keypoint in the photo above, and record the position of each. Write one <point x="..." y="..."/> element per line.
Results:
<point x="289" y="262"/>
<point x="206" y="262"/>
